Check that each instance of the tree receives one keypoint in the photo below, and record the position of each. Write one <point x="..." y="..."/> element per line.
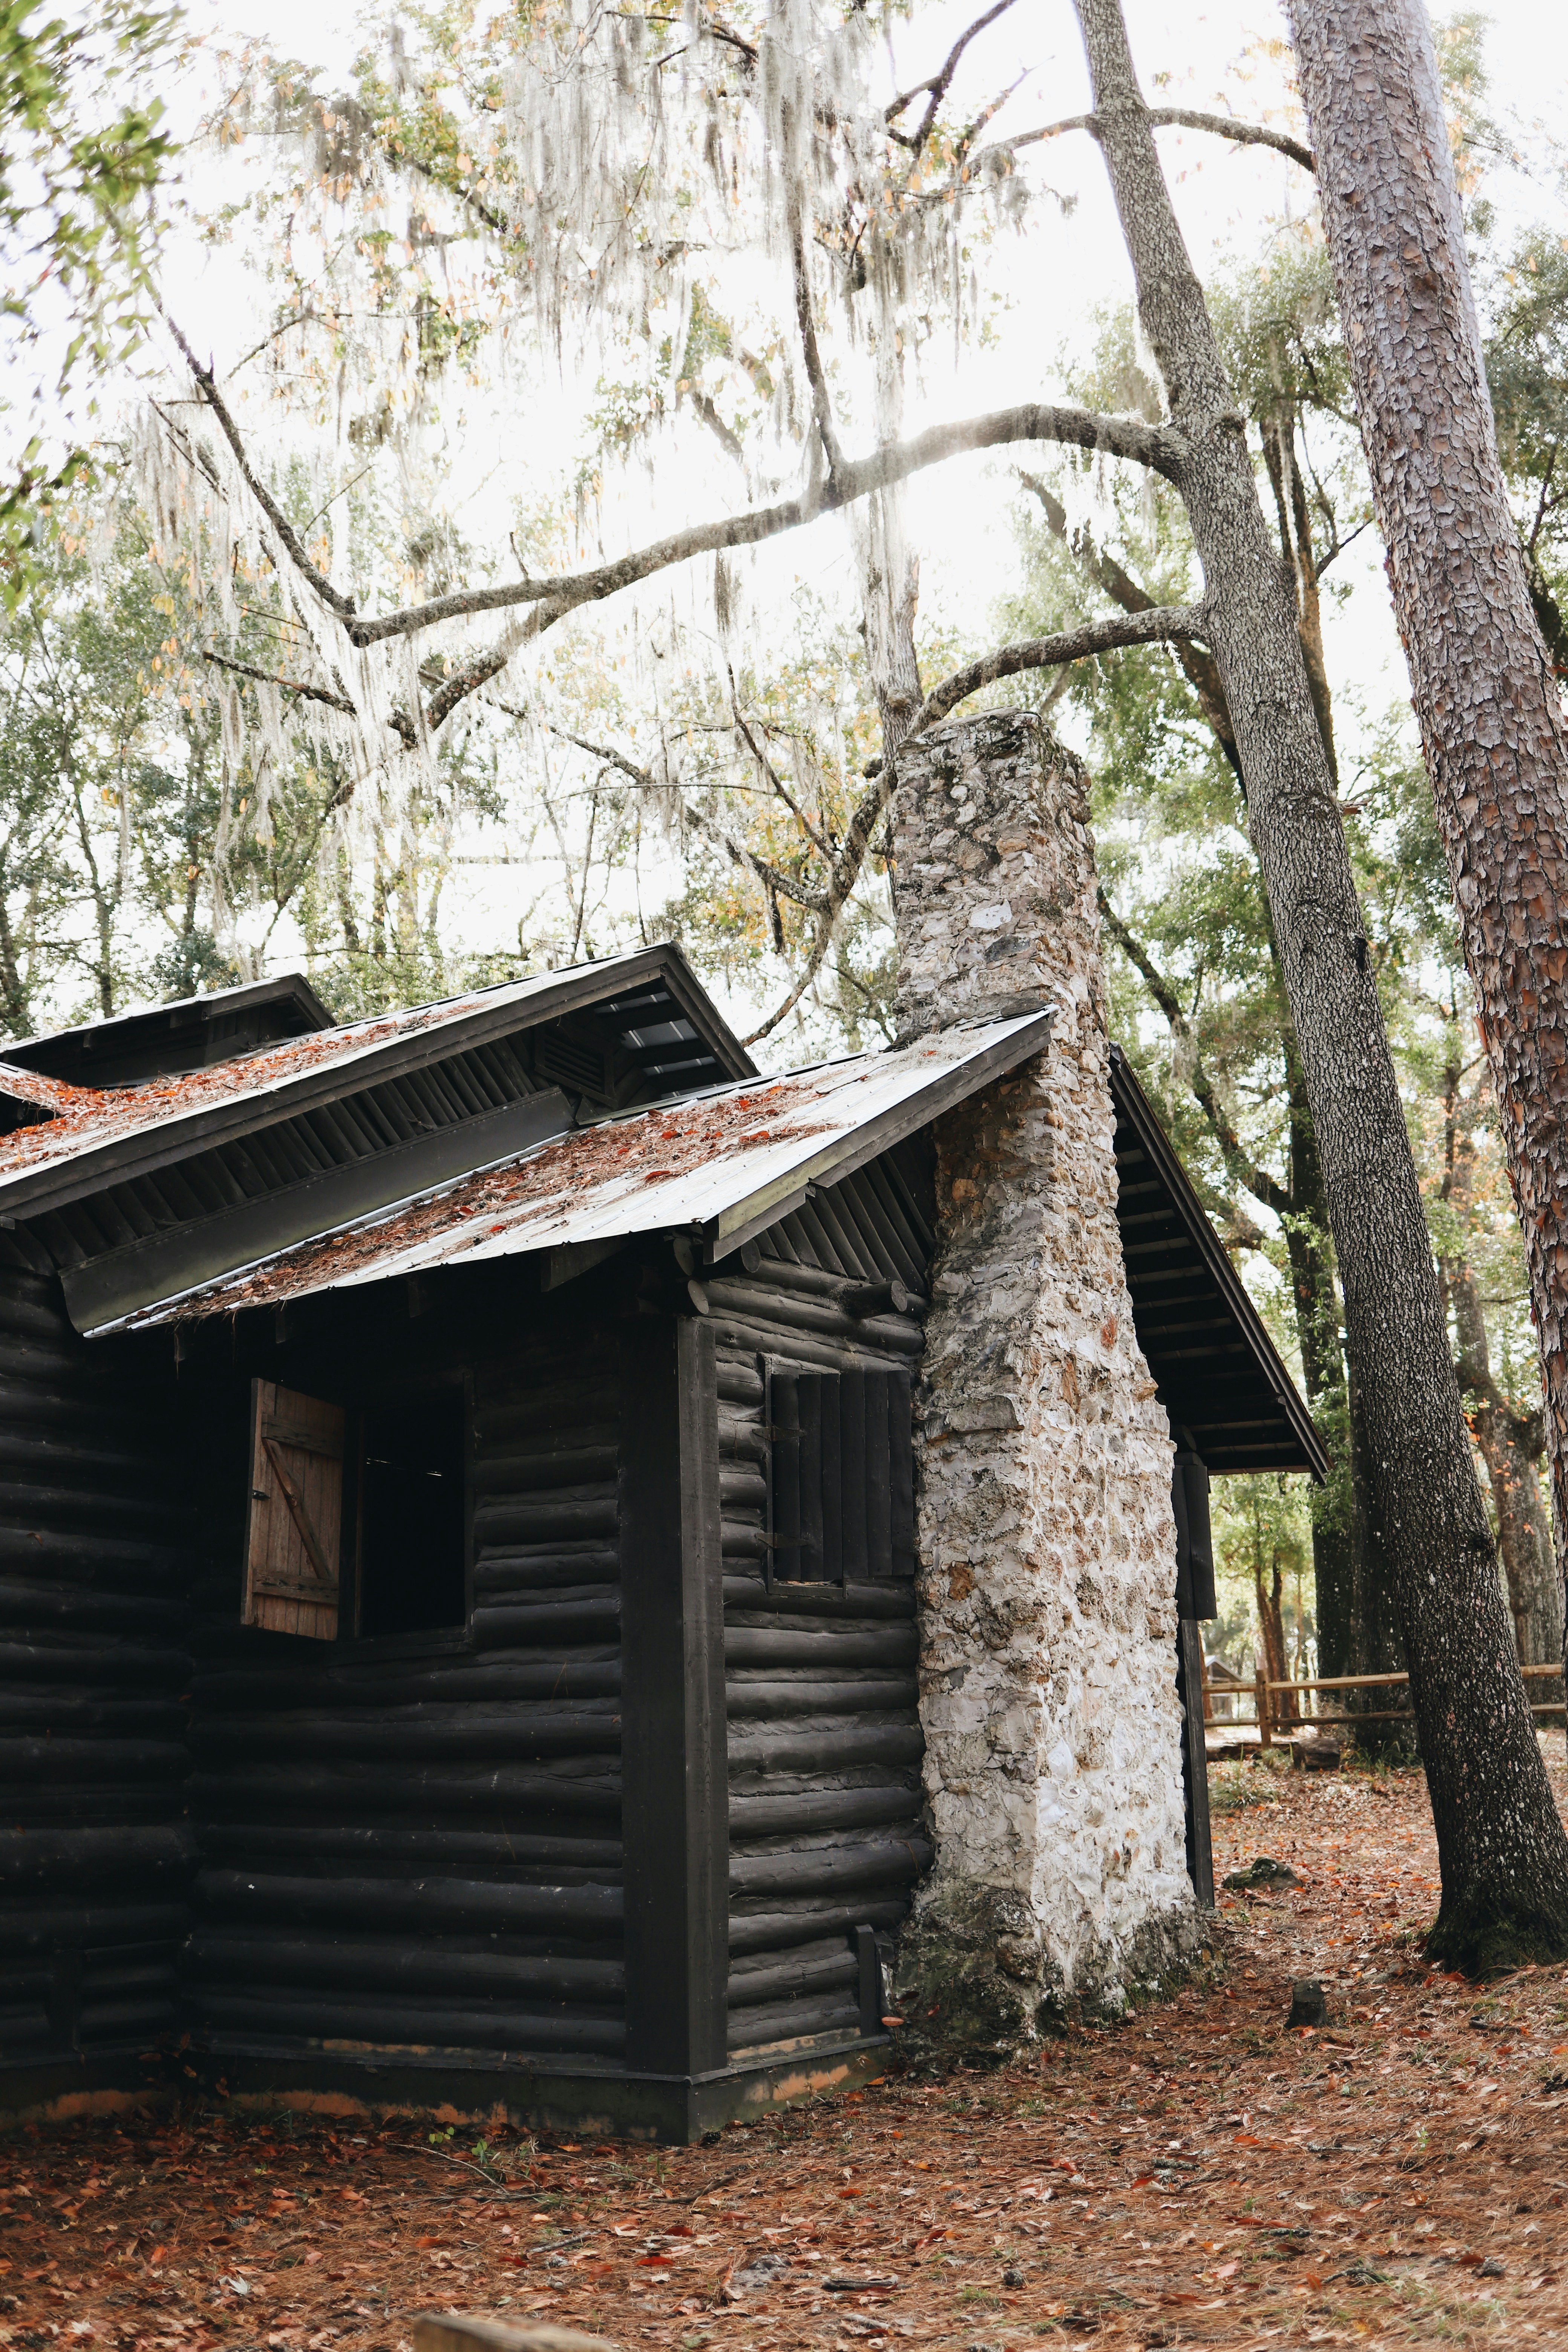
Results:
<point x="82" y="152"/>
<point x="1504" y="1855"/>
<point x="1510" y="1431"/>
<point x="1491" y="722"/>
<point x="1283" y="353"/>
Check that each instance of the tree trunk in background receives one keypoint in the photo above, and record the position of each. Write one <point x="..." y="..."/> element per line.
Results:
<point x="1502" y="1849"/>
<point x="1284" y="1708"/>
<point x="1512" y="1444"/>
<point x="1301" y="1204"/>
<point x="1491" y="722"/>
<point x="1311" y="1257"/>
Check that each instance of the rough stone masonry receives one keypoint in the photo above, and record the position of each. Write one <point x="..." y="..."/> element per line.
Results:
<point x="1045" y="1536"/>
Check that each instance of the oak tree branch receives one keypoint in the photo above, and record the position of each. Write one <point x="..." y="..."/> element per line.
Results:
<point x="1159" y="624"/>
<point x="1186" y="118"/>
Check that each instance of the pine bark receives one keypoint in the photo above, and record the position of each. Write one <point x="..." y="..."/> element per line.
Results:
<point x="1501" y="1846"/>
<point x="1492" y="722"/>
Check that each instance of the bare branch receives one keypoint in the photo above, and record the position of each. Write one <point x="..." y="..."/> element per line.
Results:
<point x="771" y="876"/>
<point x="938" y="84"/>
<point x="815" y="373"/>
<point x="467" y="680"/>
<point x="343" y="605"/>
<point x="1186" y="118"/>
<point x="1197" y="666"/>
<point x="284" y="685"/>
<point x="467" y="195"/>
<point x="729" y="441"/>
<point x="845" y="874"/>
<point x="1156" y="446"/>
<point x="766" y="768"/>
<point x="1159" y="624"/>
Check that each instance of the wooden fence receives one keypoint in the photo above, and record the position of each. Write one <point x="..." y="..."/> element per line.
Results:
<point x="1270" y="1716"/>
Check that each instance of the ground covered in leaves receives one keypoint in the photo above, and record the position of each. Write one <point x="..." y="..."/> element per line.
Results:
<point x="1197" y="2175"/>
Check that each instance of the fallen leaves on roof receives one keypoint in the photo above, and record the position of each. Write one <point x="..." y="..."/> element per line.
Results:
<point x="83" y="1116"/>
<point x="650" y="1148"/>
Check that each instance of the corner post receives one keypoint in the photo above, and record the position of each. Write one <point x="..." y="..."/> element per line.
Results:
<point x="674" y="1764"/>
<point x="1195" y="1759"/>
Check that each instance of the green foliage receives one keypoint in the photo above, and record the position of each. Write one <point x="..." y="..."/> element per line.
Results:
<point x="82" y="152"/>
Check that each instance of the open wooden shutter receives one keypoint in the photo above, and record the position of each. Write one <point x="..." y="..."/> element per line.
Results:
<point x="1195" y="1541"/>
<point x="294" y="1524"/>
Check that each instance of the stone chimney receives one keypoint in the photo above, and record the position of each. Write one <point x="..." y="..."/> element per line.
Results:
<point x="1047" y="1573"/>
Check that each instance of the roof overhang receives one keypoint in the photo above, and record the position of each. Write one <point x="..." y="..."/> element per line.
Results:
<point x="752" y="1152"/>
<point x="1206" y="1343"/>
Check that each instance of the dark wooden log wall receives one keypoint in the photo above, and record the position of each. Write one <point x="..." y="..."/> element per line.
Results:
<point x="826" y="1809"/>
<point x="418" y="1842"/>
<point x="96" y="1558"/>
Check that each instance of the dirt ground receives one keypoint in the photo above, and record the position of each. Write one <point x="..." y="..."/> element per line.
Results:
<point x="1195" y="2176"/>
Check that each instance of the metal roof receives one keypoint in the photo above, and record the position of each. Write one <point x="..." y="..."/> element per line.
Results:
<point x="90" y="1138"/>
<point x="172" y="1037"/>
<point x="720" y="1166"/>
<point x="1219" y="1374"/>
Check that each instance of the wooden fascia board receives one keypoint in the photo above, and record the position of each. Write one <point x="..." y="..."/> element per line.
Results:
<point x="190" y="1012"/>
<point x="164" y="1142"/>
<point x="1135" y="1107"/>
<point x="106" y="1290"/>
<point x="742" y="1219"/>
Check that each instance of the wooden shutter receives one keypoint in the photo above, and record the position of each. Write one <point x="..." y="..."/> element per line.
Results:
<point x="884" y="1530"/>
<point x="294" y="1521"/>
<point x="804" y="1475"/>
<point x="841" y="1490"/>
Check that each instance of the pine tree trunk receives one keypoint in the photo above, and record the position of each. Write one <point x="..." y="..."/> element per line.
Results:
<point x="1501" y="1846"/>
<point x="1492" y="722"/>
<point x="1284" y="1708"/>
<point x="1311" y="1257"/>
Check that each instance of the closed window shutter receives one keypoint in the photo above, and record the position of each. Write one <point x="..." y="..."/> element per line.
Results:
<point x="889" y="1475"/>
<point x="800" y="1544"/>
<point x="841" y="1503"/>
<point x="294" y="1521"/>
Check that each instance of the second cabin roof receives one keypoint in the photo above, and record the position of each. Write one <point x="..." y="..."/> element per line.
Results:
<point x="67" y="1139"/>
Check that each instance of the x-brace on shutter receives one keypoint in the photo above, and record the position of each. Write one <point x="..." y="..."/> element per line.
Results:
<point x="294" y="1521"/>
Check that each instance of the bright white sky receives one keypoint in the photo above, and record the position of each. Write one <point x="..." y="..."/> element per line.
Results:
<point x="1223" y="56"/>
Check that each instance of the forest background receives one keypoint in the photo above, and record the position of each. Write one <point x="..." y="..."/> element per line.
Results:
<point x="453" y="346"/>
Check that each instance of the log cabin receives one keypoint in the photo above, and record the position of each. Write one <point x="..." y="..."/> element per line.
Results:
<point x="459" y="1643"/>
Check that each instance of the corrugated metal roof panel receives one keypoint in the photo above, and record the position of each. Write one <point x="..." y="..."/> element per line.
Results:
<point x="722" y="1164"/>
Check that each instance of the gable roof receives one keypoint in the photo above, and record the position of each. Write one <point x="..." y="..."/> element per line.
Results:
<point x="91" y="1137"/>
<point x="1219" y="1373"/>
<point x="721" y="1167"/>
<point x="161" y="1040"/>
<point x="475" y="1130"/>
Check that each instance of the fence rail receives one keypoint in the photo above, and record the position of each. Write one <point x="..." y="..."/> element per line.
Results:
<point x="1268" y="1718"/>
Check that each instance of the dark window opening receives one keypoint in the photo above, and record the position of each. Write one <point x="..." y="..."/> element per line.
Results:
<point x="411" y="1548"/>
<point x="840" y="1476"/>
